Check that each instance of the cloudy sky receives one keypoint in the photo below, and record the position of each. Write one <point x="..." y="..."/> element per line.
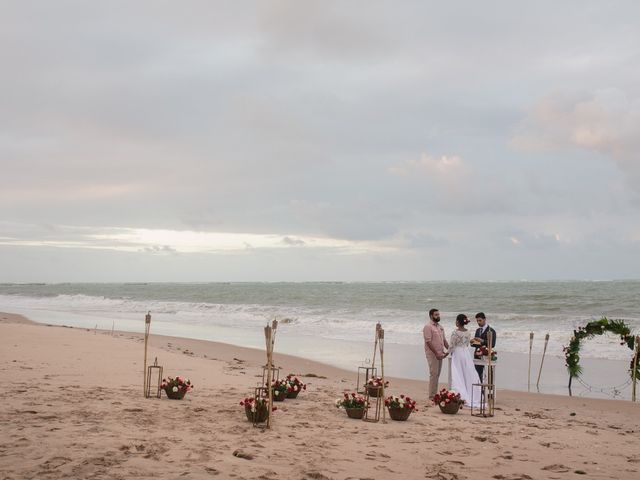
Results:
<point x="303" y="140"/>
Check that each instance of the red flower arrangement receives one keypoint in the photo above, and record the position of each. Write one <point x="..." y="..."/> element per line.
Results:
<point x="176" y="388"/>
<point x="280" y="390"/>
<point x="351" y="400"/>
<point x="402" y="401"/>
<point x="295" y="386"/>
<point x="400" y="407"/>
<point x="376" y="382"/>
<point x="256" y="410"/>
<point x="445" y="397"/>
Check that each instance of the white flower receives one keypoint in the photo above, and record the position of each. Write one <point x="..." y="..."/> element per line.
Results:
<point x="175" y="389"/>
<point x="442" y="404"/>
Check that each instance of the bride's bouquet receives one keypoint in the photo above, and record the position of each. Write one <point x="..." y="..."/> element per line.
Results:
<point x="483" y="351"/>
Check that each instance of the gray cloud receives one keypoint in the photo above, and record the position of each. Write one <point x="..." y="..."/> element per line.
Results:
<point x="325" y="120"/>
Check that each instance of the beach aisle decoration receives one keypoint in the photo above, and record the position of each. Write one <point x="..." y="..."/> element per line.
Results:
<point x="147" y="327"/>
<point x="354" y="404"/>
<point x="270" y="339"/>
<point x="157" y="388"/>
<point x="400" y="407"/>
<point x="487" y="390"/>
<point x="599" y="327"/>
<point x="378" y="347"/>
<point x="448" y="401"/>
<point x="176" y="388"/>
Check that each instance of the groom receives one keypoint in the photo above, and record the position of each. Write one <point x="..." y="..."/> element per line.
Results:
<point x="481" y="337"/>
<point x="434" y="345"/>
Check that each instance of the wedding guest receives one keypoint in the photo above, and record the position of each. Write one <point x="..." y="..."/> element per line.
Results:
<point x="481" y="337"/>
<point x="434" y="348"/>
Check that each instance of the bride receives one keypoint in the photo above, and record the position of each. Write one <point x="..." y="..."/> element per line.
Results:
<point x="463" y="372"/>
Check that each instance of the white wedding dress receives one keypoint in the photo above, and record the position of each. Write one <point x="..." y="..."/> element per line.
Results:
<point x="463" y="371"/>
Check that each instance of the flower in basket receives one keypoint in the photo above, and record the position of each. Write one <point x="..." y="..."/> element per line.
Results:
<point x="256" y="409"/>
<point x="176" y="385"/>
<point x="295" y="385"/>
<point x="280" y="389"/>
<point x="376" y="382"/>
<point x="444" y="397"/>
<point x="254" y="405"/>
<point x="402" y="401"/>
<point x="351" y="400"/>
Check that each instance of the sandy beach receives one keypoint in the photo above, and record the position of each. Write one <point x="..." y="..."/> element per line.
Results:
<point x="73" y="408"/>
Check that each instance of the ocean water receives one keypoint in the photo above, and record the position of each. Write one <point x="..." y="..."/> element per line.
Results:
<point x="339" y="312"/>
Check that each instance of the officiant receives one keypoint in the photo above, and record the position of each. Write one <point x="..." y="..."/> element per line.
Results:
<point x="480" y="340"/>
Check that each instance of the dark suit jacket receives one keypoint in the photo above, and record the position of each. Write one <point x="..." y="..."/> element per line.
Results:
<point x="483" y="336"/>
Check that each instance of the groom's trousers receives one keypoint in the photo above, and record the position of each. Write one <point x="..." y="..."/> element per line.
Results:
<point x="435" y="366"/>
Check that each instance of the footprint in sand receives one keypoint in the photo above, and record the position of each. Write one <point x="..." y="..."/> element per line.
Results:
<point x="55" y="462"/>
<point x="557" y="468"/>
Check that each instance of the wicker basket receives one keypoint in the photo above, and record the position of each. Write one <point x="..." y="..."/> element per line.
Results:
<point x="179" y="395"/>
<point x="450" y="408"/>
<point x="293" y="394"/>
<point x="259" y="416"/>
<point x="399" y="413"/>
<point x="279" y="395"/>
<point x="357" y="413"/>
<point x="374" y="391"/>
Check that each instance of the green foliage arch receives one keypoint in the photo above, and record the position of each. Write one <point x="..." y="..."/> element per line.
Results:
<point x="590" y="330"/>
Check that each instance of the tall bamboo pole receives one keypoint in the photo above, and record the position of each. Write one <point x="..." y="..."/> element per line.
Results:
<point x="267" y="337"/>
<point x="544" y="352"/>
<point x="381" y="345"/>
<point x="147" y="327"/>
<point x="490" y="376"/>
<point x="375" y="345"/>
<point x="530" y="347"/>
<point x="635" y="367"/>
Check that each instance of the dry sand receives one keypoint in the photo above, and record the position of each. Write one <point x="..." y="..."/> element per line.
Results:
<point x="72" y="407"/>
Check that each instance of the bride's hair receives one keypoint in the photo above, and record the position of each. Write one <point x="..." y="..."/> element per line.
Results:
<point x="462" y="320"/>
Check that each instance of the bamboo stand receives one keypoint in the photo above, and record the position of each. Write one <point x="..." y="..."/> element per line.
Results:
<point x="634" y="380"/>
<point x="147" y="327"/>
<point x="544" y="352"/>
<point x="377" y="346"/>
<point x="270" y="338"/>
<point x="529" y="377"/>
